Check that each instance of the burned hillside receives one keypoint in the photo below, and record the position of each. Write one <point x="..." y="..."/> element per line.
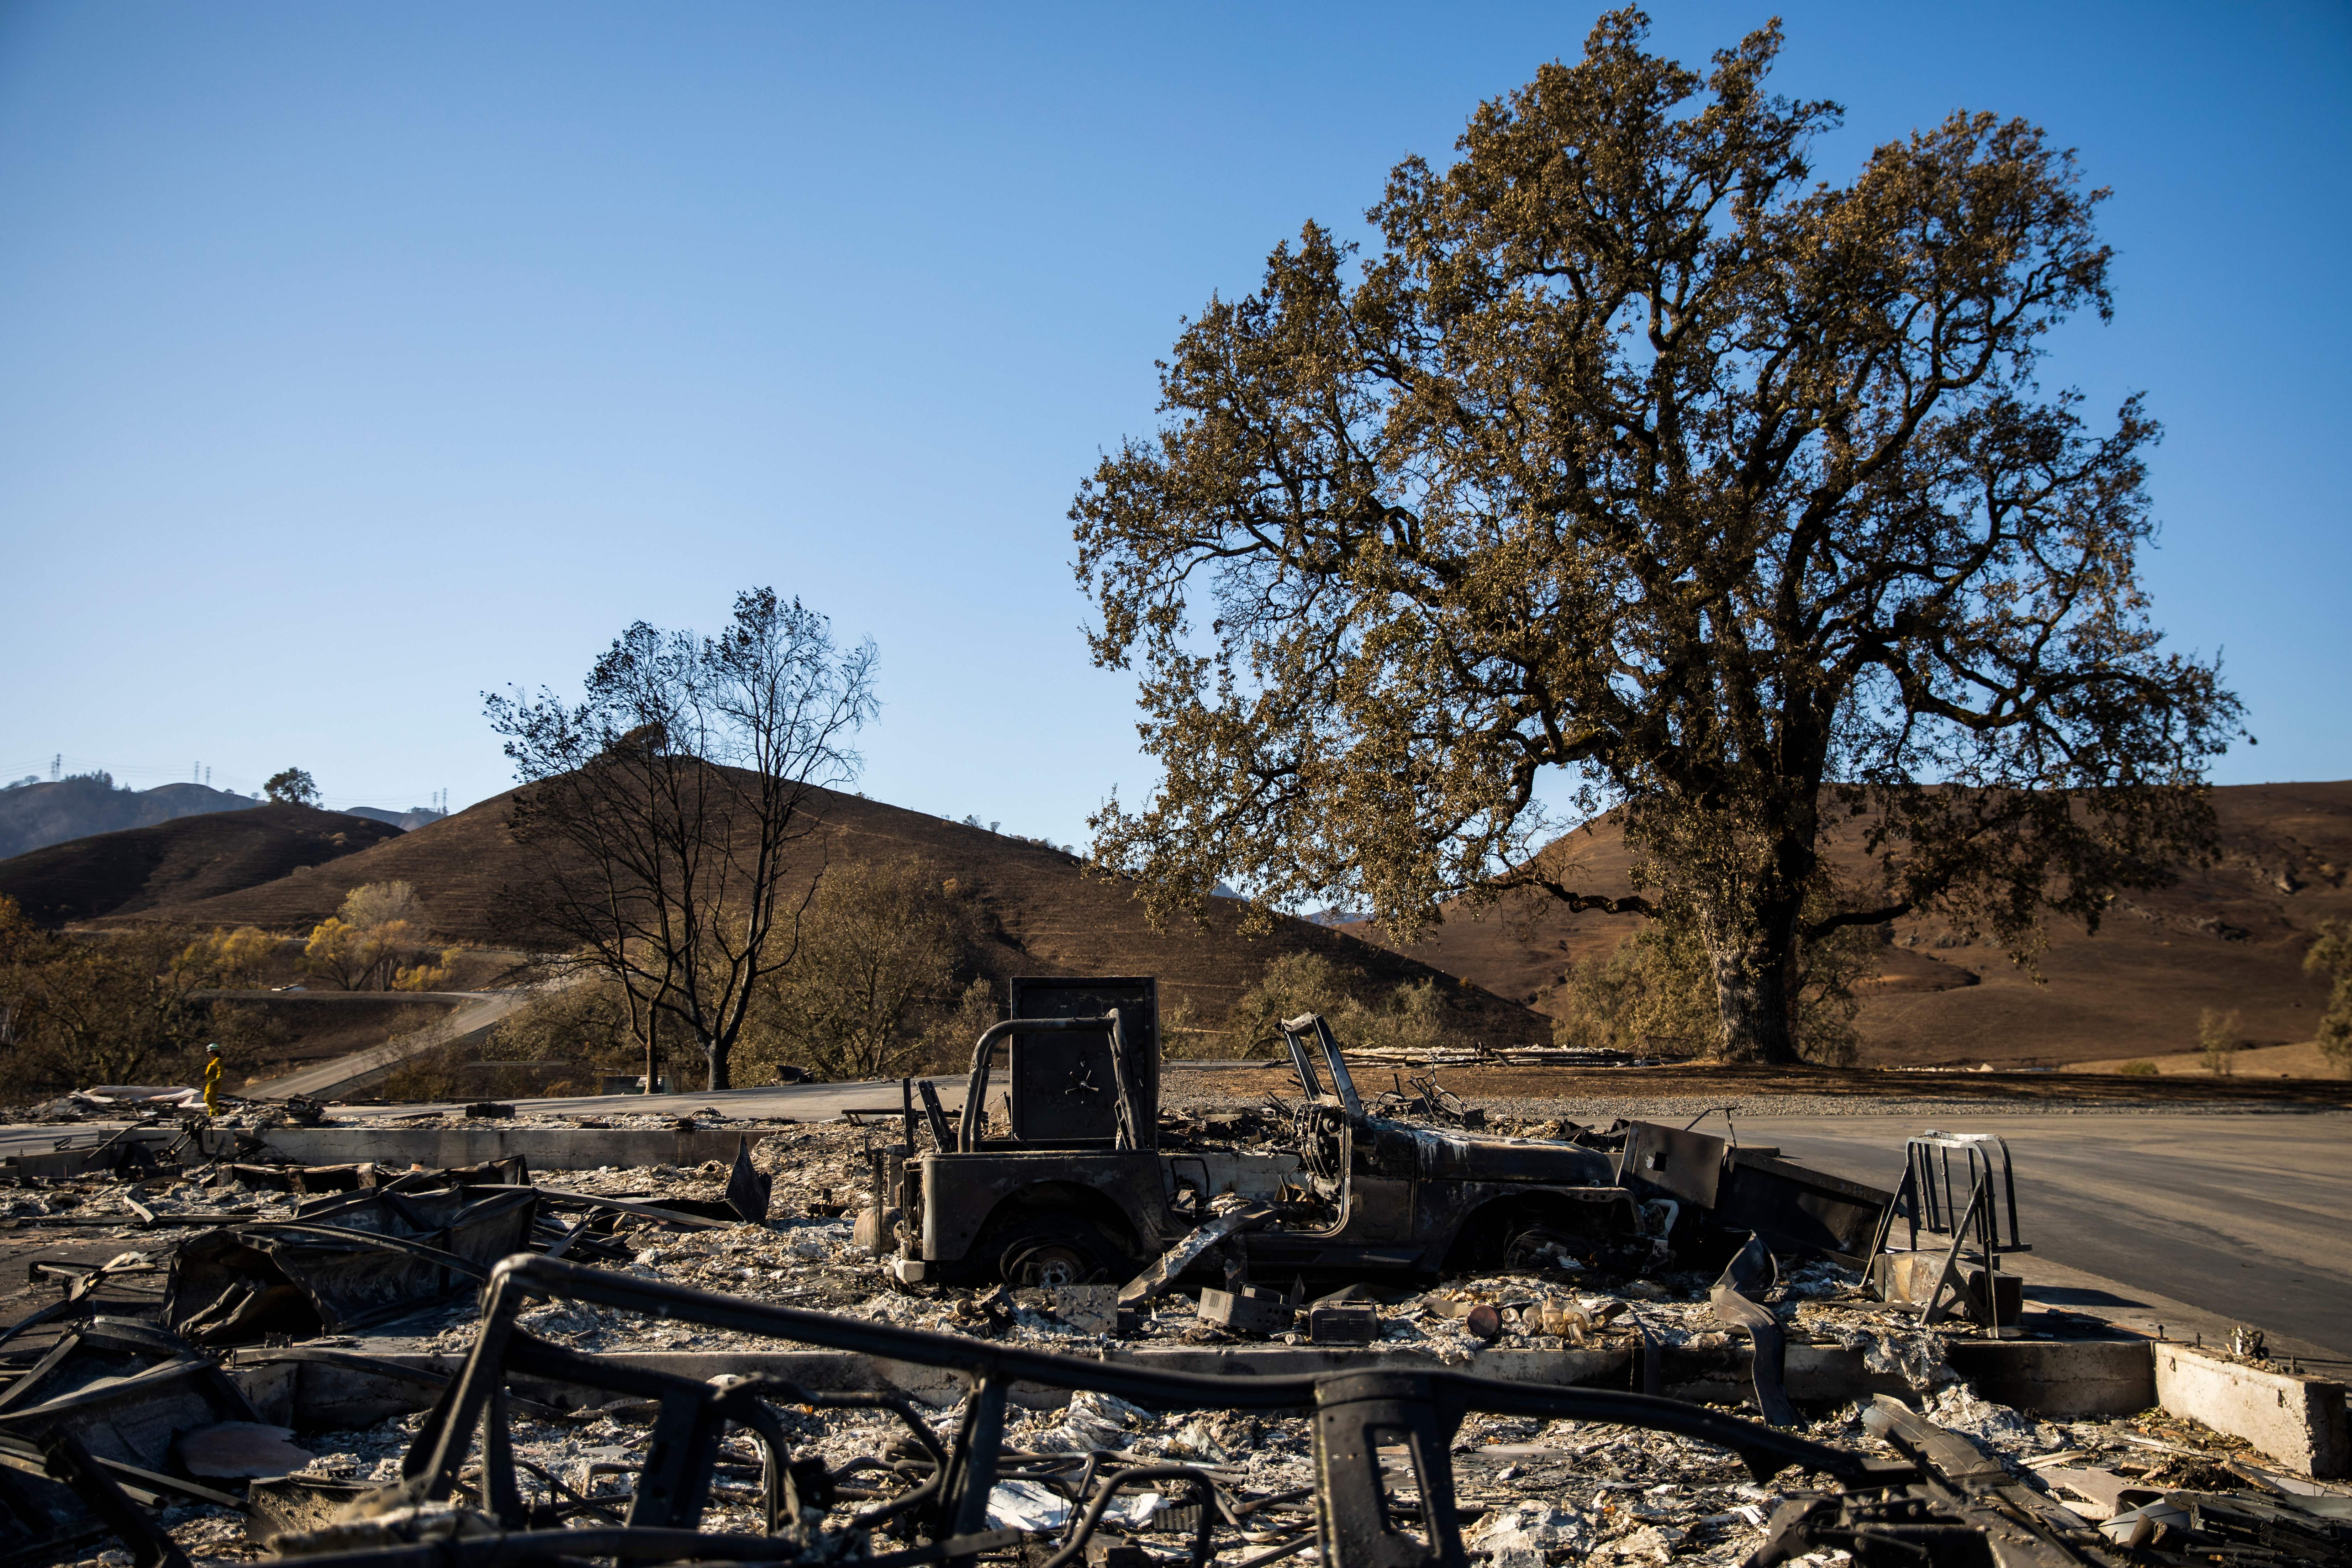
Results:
<point x="1045" y="912"/>
<point x="2231" y="935"/>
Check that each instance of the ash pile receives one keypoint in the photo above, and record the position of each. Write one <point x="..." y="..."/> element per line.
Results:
<point x="1076" y="1329"/>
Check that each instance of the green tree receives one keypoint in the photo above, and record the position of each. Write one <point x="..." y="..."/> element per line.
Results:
<point x="1409" y="1017"/>
<point x="292" y="786"/>
<point x="427" y="974"/>
<point x="1637" y="453"/>
<point x="1654" y="995"/>
<point x="881" y="946"/>
<point x="373" y="904"/>
<point x="948" y="1044"/>
<point x="118" y="1009"/>
<point x="235" y="959"/>
<point x="1657" y="994"/>
<point x="2331" y="954"/>
<point x="340" y="952"/>
<point x="376" y="941"/>
<point x="2217" y="1040"/>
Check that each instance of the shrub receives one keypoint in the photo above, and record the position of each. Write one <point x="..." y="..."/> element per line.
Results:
<point x="874" y="989"/>
<point x="2331" y="954"/>
<point x="2217" y="1039"/>
<point x="1409" y="1017"/>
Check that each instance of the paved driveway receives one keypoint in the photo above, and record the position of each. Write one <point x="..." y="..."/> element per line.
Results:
<point x="2247" y="1216"/>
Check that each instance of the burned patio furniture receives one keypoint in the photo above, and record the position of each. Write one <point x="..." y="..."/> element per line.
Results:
<point x="1974" y="1217"/>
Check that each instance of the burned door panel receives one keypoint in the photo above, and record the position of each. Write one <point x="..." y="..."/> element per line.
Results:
<point x="1062" y="1088"/>
<point x="1380" y="1208"/>
<point x="1682" y="1164"/>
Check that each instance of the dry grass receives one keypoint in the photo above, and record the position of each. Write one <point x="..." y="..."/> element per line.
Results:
<point x="2297" y="1061"/>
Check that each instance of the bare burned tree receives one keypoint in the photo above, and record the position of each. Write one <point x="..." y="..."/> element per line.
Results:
<point x="1639" y="455"/>
<point x="662" y="809"/>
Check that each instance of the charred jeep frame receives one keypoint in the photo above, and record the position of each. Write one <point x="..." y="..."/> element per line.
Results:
<point x="1078" y="1187"/>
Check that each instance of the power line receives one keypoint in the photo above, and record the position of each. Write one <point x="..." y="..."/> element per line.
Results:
<point x="203" y="774"/>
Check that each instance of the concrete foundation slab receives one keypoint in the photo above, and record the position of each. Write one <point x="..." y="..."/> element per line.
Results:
<point x="2059" y="1380"/>
<point x="547" y="1148"/>
<point x="2297" y="1420"/>
<point x="1820" y="1377"/>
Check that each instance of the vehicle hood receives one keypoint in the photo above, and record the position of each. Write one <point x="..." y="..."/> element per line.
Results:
<point x="1441" y="1156"/>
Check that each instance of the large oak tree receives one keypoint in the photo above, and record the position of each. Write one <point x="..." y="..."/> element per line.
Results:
<point x="1634" y="453"/>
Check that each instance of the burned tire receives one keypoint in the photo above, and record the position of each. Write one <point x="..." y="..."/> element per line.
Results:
<point x="1053" y="1249"/>
<point x="1511" y="1233"/>
<point x="1540" y="1247"/>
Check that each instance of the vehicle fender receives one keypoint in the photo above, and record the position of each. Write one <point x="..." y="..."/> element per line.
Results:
<point x="963" y="1193"/>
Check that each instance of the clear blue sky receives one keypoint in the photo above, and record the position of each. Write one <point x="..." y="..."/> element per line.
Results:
<point x="358" y="358"/>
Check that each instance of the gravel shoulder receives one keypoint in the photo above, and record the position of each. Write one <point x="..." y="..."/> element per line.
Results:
<point x="1664" y="1093"/>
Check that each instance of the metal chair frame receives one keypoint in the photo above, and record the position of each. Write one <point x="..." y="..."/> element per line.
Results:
<point x="1929" y="1200"/>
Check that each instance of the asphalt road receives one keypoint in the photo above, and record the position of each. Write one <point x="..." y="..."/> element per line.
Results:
<point x="2249" y="1217"/>
<point x="477" y="1012"/>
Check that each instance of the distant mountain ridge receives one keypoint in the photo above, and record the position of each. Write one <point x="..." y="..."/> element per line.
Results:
<point x="187" y="858"/>
<point x="35" y="815"/>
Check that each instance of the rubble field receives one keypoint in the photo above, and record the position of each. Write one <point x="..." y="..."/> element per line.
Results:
<point x="1531" y="1493"/>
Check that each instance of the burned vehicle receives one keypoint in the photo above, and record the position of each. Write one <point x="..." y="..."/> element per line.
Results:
<point x="1078" y="1186"/>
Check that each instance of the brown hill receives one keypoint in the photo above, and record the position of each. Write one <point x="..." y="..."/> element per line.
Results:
<point x="180" y="861"/>
<point x="2227" y="936"/>
<point x="1048" y="917"/>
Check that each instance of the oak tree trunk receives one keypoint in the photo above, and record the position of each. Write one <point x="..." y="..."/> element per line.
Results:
<point x="1755" y="962"/>
<point x="717" y="1054"/>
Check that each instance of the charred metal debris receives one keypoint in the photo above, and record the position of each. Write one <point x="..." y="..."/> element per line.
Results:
<point x="1140" y="1466"/>
<point x="506" y="1411"/>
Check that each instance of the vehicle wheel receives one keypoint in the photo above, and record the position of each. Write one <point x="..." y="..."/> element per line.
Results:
<point x="1053" y="1249"/>
<point x="1538" y="1246"/>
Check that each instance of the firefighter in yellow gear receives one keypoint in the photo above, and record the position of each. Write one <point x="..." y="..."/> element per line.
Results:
<point x="213" y="1065"/>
